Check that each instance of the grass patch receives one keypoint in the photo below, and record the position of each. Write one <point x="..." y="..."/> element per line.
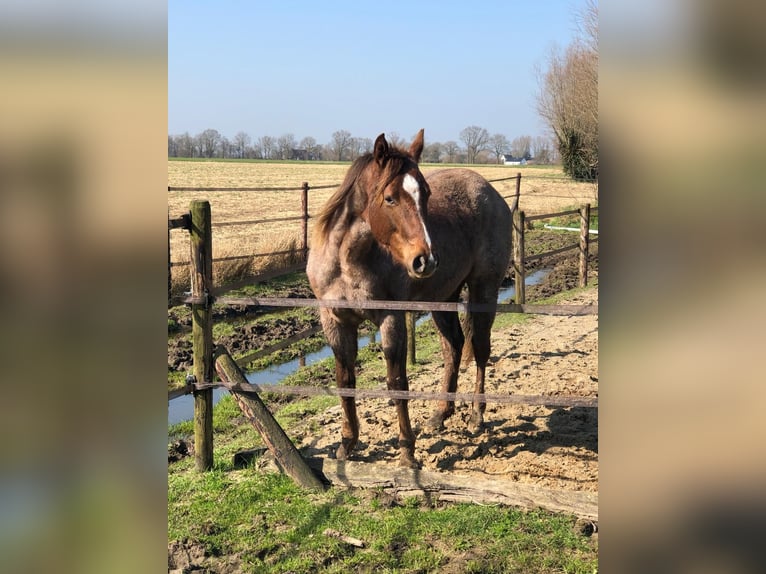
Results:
<point x="273" y="526"/>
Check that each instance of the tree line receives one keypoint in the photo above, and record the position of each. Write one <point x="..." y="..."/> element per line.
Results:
<point x="478" y="146"/>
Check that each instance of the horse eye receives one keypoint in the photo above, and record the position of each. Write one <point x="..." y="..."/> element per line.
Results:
<point x="389" y="200"/>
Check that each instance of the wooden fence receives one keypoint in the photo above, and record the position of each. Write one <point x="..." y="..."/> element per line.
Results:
<point x="203" y="293"/>
<point x="207" y="360"/>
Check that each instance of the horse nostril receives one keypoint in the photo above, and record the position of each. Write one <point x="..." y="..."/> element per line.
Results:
<point x="425" y="265"/>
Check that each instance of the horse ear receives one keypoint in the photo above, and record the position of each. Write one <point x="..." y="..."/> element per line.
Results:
<point x="380" y="150"/>
<point x="417" y="146"/>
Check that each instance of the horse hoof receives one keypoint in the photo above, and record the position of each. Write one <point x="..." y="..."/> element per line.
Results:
<point x="408" y="461"/>
<point x="476" y="424"/>
<point x="436" y="422"/>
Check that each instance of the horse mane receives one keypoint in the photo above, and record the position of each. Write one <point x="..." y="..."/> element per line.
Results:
<point x="396" y="159"/>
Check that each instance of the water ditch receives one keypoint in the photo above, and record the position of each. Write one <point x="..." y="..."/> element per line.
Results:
<point x="182" y="408"/>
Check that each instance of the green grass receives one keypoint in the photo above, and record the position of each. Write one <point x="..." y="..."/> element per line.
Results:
<point x="273" y="526"/>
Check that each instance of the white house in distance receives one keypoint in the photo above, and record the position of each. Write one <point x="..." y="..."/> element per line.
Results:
<point x="510" y="160"/>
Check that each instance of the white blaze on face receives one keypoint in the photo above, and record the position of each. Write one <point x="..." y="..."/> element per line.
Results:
<point x="411" y="186"/>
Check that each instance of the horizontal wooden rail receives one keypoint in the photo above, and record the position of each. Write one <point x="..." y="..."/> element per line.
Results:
<point x="533" y="400"/>
<point x="460" y="307"/>
<point x="552" y="252"/>
<point x="188" y="188"/>
<point x="283" y="344"/>
<point x="551" y="215"/>
<point x="259" y="221"/>
<point x="185" y="188"/>
<point x="239" y="257"/>
<point x="183" y="222"/>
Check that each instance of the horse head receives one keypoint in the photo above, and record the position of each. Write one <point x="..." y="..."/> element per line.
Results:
<point x="397" y="206"/>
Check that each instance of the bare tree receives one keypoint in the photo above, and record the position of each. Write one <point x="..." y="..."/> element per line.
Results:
<point x="286" y="144"/>
<point x="542" y="150"/>
<point x="208" y="142"/>
<point x="225" y="147"/>
<point x="268" y="147"/>
<point x="499" y="145"/>
<point x="172" y="146"/>
<point x="451" y="152"/>
<point x="241" y="141"/>
<point x="568" y="100"/>
<point x="432" y="152"/>
<point x="396" y="140"/>
<point x="340" y="144"/>
<point x="521" y="147"/>
<point x="313" y="150"/>
<point x="476" y="140"/>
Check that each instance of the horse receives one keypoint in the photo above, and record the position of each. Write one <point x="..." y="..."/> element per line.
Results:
<point x="391" y="233"/>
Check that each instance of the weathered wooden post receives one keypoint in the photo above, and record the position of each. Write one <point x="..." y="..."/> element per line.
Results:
<point x="515" y="204"/>
<point x="202" y="330"/>
<point x="518" y="257"/>
<point x="305" y="222"/>
<point x="409" y="317"/>
<point x="276" y="440"/>
<point x="584" y="232"/>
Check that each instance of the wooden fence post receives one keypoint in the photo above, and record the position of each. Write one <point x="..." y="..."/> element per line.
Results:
<point x="518" y="257"/>
<point x="202" y="330"/>
<point x="305" y="212"/>
<point x="409" y="317"/>
<point x="584" y="232"/>
<point x="273" y="435"/>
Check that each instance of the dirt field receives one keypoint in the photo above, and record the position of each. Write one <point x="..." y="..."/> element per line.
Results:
<point x="552" y="447"/>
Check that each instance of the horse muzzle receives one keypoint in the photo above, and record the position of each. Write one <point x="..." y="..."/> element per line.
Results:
<point x="424" y="266"/>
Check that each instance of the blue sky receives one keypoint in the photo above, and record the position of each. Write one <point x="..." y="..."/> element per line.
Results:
<point x="275" y="67"/>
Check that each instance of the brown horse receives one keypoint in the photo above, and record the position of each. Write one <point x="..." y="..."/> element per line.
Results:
<point x="389" y="233"/>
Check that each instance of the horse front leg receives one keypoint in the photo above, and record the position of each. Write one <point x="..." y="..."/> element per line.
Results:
<point x="343" y="341"/>
<point x="393" y="334"/>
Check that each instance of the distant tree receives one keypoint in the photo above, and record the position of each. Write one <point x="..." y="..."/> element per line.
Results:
<point x="286" y="144"/>
<point x="499" y="146"/>
<point x="365" y="145"/>
<point x="476" y="140"/>
<point x="225" y="147"/>
<point x="450" y="152"/>
<point x="396" y="140"/>
<point x="172" y="146"/>
<point x="184" y="145"/>
<point x="313" y="150"/>
<point x="541" y="150"/>
<point x="339" y="146"/>
<point x="568" y="100"/>
<point x="208" y="142"/>
<point x="521" y="147"/>
<point x="432" y="152"/>
<point x="240" y="143"/>
<point x="354" y="148"/>
<point x="268" y="145"/>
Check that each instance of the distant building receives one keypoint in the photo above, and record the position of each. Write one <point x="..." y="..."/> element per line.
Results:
<point x="510" y="160"/>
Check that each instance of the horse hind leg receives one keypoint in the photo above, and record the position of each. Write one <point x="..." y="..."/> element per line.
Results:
<point x="452" y="340"/>
<point x="480" y="332"/>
